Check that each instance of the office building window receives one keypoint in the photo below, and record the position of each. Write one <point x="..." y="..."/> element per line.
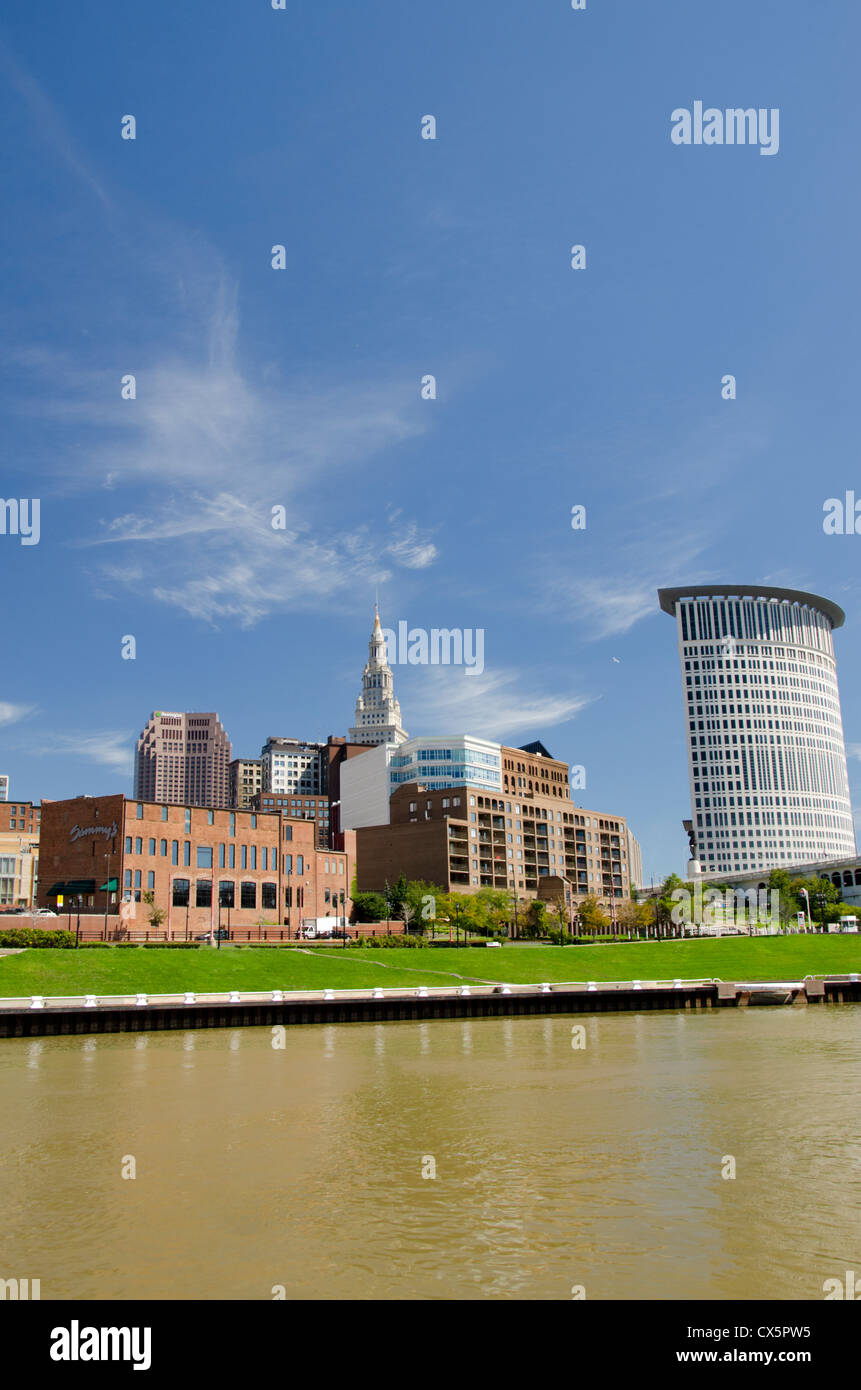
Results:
<point x="203" y="897"/>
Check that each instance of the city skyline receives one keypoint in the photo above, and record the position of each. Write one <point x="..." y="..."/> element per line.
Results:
<point x="286" y="452"/>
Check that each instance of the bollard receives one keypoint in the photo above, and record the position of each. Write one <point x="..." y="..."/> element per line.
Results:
<point x="591" y="985"/>
<point x="328" y="994"/>
<point x="189" y="998"/>
<point x="377" y="994"/>
<point x="677" y="984"/>
<point x="421" y="992"/>
<point x="140" y="999"/>
<point x="545" y="988"/>
<point x="234" y="997"/>
<point x="37" y="1001"/>
<point x="89" y="1001"/>
<point x="637" y="984"/>
<point x="277" y="996"/>
<point x="464" y="991"/>
<point x="506" y="989"/>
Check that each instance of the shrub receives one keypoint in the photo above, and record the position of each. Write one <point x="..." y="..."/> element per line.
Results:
<point x="36" y="936"/>
<point x="410" y="943"/>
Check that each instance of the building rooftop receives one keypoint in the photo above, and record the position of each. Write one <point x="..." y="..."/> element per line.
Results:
<point x="670" y="597"/>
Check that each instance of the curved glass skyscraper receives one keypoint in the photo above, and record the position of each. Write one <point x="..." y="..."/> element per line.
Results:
<point x="766" y="756"/>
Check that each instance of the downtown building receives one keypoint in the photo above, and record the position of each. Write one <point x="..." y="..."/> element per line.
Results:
<point x="767" y="769"/>
<point x="20" y="827"/>
<point x="474" y="814"/>
<point x="183" y="759"/>
<point x="378" y="713"/>
<point x="246" y="780"/>
<point x="202" y="865"/>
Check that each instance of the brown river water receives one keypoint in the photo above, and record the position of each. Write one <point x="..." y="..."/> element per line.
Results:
<point x="261" y="1168"/>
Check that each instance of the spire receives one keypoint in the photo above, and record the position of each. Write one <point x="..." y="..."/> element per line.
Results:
<point x="378" y="714"/>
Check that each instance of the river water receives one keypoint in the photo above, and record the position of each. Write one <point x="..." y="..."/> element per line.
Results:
<point x="262" y="1168"/>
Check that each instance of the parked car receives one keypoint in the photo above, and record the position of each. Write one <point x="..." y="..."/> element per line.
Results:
<point x="41" y="912"/>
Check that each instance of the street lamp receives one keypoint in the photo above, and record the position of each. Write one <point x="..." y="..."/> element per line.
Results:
<point x="457" y="909"/>
<point x="107" y="892"/>
<point x="806" y="896"/>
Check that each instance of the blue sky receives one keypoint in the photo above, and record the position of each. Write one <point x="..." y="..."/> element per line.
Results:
<point x="406" y="256"/>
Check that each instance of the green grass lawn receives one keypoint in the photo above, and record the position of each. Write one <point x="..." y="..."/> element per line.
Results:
<point x="165" y="971"/>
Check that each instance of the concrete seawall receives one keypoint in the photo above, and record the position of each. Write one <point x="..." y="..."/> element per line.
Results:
<point x="21" y="1018"/>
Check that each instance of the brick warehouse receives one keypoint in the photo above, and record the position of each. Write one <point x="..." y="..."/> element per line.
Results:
<point x="199" y="864"/>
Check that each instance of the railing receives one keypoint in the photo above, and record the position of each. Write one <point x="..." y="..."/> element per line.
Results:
<point x="438" y="991"/>
<point x="377" y="992"/>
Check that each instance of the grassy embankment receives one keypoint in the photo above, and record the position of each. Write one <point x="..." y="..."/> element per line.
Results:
<point x="52" y="972"/>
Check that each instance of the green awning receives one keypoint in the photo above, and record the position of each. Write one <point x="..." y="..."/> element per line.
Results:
<point x="75" y="885"/>
<point x="110" y="887"/>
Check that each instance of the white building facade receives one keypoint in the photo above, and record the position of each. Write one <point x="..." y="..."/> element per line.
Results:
<point x="368" y="780"/>
<point x="293" y="766"/>
<point x="766" y="755"/>
<point x="378" y="714"/>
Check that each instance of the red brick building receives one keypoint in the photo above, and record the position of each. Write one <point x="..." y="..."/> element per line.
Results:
<point x="203" y="866"/>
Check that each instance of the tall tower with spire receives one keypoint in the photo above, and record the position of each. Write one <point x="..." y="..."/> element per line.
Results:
<point x="378" y="714"/>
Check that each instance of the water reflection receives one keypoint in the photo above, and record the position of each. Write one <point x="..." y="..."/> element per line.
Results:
<point x="555" y="1166"/>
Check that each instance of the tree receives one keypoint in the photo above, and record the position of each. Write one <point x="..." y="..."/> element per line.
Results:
<point x="779" y="882"/>
<point x="634" y="918"/>
<point x="534" y="920"/>
<point x="155" y="915"/>
<point x="396" y="895"/>
<point x="368" y="907"/>
<point x="458" y="909"/>
<point x="664" y="904"/>
<point x="593" y="919"/>
<point x="421" y="903"/>
<point x="493" y="909"/>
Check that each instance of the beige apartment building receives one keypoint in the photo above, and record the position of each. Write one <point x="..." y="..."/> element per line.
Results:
<point x="20" y="825"/>
<point x="466" y="838"/>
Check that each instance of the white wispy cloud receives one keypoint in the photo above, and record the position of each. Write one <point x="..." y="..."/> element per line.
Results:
<point x="211" y="453"/>
<point x="111" y="748"/>
<point x="444" y="700"/>
<point x="11" y="714"/>
<point x="853" y="750"/>
<point x="609" y="606"/>
<point x="49" y="124"/>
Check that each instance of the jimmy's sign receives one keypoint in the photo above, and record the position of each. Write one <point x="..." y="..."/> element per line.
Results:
<point x="81" y="832"/>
